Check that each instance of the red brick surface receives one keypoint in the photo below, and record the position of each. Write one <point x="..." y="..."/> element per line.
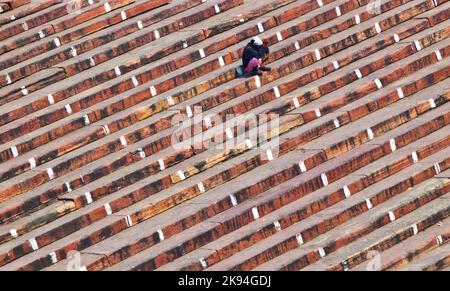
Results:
<point x="364" y="132"/>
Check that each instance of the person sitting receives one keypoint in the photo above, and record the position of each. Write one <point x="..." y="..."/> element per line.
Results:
<point x="254" y="55"/>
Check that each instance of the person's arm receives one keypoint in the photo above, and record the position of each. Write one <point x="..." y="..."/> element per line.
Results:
<point x="266" y="54"/>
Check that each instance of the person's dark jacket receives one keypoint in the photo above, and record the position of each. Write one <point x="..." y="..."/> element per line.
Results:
<point x="253" y="51"/>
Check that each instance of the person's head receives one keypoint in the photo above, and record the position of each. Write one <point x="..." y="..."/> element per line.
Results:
<point x="256" y="41"/>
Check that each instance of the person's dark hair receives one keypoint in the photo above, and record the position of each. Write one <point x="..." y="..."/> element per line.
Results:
<point x="253" y="44"/>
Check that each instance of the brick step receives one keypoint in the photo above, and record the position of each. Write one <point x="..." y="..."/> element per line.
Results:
<point x="120" y="224"/>
<point x="154" y="167"/>
<point x="34" y="255"/>
<point x="61" y="11"/>
<point x="127" y="83"/>
<point x="320" y="224"/>
<point x="263" y="212"/>
<point x="402" y="254"/>
<point x="374" y="120"/>
<point x="23" y="8"/>
<point x="437" y="260"/>
<point x="73" y="184"/>
<point x="320" y="199"/>
<point x="133" y="248"/>
<point x="423" y="210"/>
<point x="24" y="87"/>
<point x="68" y="50"/>
<point x="94" y="196"/>
<point x="143" y="37"/>
<point x="58" y="48"/>
<point x="47" y="118"/>
<point x="109" y="127"/>
<point x="67" y="23"/>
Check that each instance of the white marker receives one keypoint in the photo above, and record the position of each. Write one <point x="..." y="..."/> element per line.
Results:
<point x="417" y="44"/>
<point x="299" y="238"/>
<point x="335" y="65"/>
<point x="322" y="252"/>
<point x="233" y="200"/>
<point x="160" y="235"/>
<point x="302" y="166"/>
<point x="128" y="221"/>
<point x="415" y="229"/>
<point x="369" y="203"/>
<point x="221" y="61"/>
<point x="370" y="133"/>
<point x="432" y="104"/>
<point x="73" y="51"/>
<point x="269" y="155"/>
<point x="415" y="157"/>
<point x="255" y="212"/>
<point x="396" y="37"/>
<point x="161" y="164"/>
<point x="86" y="119"/>
<point x="50" y="173"/>
<point x="393" y="145"/>
<point x="317" y="112"/>
<point x="347" y="192"/>
<point x="279" y="36"/>
<point x="378" y="83"/>
<point x="391" y="216"/>
<point x="181" y="175"/>
<point x="135" y="81"/>
<point x="14" y="233"/>
<point x="32" y="163"/>
<point x="277" y="225"/>
<point x="170" y="100"/>
<point x="106" y="129"/>
<point x="117" y="71"/>
<point x="277" y="92"/>
<point x="108" y="209"/>
<point x="400" y="93"/>
<point x="257" y="81"/>
<point x="324" y="179"/>
<point x="201" y="53"/>
<point x="107" y="7"/>
<point x="337" y="124"/>
<point x="377" y="27"/>
<point x="153" y="91"/>
<point x="88" y="197"/>
<point x="318" y="56"/>
<point x="260" y="27"/>
<point x="53" y="257"/>
<point x="14" y="151"/>
<point x="201" y="187"/>
<point x="296" y="103"/>
<point x="33" y="243"/>
<point x="24" y="91"/>
<point x="123" y="141"/>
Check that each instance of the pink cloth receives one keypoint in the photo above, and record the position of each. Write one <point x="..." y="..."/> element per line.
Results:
<point x="254" y="63"/>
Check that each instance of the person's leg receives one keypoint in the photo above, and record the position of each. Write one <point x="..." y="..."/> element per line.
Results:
<point x="262" y="67"/>
<point x="253" y="65"/>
